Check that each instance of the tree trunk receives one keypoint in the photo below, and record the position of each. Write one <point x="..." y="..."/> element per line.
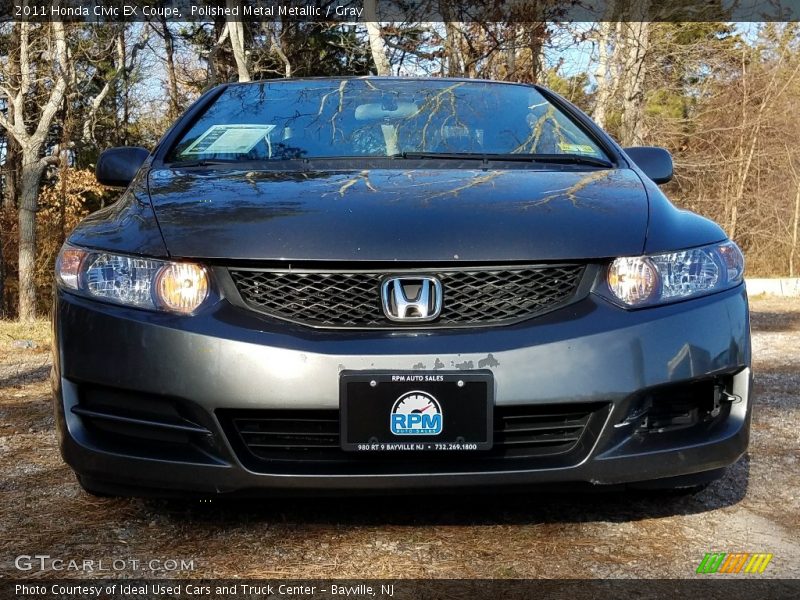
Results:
<point x="536" y="36"/>
<point x="795" y="220"/>
<point x="376" y="42"/>
<point x="451" y="61"/>
<point x="11" y="166"/>
<point x="29" y="191"/>
<point x="452" y="50"/>
<point x="221" y="33"/>
<point x="126" y="88"/>
<point x="511" y="53"/>
<point x="236" y="32"/>
<point x="635" y="47"/>
<point x="172" y="79"/>
<point x="794" y="231"/>
<point x="11" y="172"/>
<point x="276" y="45"/>
<point x="31" y="144"/>
<point x="603" y="74"/>
<point x="2" y="278"/>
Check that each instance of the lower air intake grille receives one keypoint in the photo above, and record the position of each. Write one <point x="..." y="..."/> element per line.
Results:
<point x="274" y="440"/>
<point x="471" y="297"/>
<point x="144" y="425"/>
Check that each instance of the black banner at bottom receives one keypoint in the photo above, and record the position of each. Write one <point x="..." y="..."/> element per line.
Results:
<point x="705" y="587"/>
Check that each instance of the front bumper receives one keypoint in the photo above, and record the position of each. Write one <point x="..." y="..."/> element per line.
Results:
<point x="229" y="359"/>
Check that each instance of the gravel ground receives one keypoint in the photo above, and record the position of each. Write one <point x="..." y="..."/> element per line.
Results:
<point x="754" y="508"/>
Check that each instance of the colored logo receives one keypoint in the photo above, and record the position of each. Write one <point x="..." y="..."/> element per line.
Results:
<point x="416" y="413"/>
<point x="741" y="562"/>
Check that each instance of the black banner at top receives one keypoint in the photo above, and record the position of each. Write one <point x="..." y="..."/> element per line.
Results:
<point x="492" y="11"/>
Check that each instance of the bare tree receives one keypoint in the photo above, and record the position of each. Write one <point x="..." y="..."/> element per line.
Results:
<point x="165" y="33"/>
<point x="376" y="42"/>
<point x="633" y="45"/>
<point x="795" y="215"/>
<point x="752" y="123"/>
<point x="124" y="63"/>
<point x="55" y="73"/>
<point x="236" y="34"/>
<point x="276" y="46"/>
<point x="2" y="278"/>
<point x="724" y="104"/>
<point x="623" y="43"/>
<point x="11" y="169"/>
<point x="11" y="165"/>
<point x="213" y="54"/>
<point x="604" y="75"/>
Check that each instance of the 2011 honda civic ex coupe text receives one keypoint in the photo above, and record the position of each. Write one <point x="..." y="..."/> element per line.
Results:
<point x="360" y="284"/>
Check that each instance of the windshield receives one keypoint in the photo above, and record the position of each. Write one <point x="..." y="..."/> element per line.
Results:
<point x="280" y="120"/>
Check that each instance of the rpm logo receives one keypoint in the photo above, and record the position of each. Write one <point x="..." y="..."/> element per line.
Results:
<point x="416" y="413"/>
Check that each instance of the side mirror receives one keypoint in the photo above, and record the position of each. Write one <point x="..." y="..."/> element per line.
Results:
<point x="655" y="162"/>
<point x="118" y="166"/>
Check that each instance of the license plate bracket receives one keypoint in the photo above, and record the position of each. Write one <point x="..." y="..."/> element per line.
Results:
<point x="416" y="411"/>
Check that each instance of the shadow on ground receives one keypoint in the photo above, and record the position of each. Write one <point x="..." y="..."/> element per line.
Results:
<point x="25" y="376"/>
<point x="533" y="506"/>
<point x="761" y="320"/>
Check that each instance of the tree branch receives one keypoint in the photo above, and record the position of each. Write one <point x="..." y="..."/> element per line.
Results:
<point x="120" y="68"/>
<point x="59" y="86"/>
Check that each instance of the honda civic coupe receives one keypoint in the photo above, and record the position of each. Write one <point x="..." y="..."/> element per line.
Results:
<point x="348" y="285"/>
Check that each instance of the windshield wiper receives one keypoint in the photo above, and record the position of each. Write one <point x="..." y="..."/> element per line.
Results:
<point x="202" y="162"/>
<point x="572" y="159"/>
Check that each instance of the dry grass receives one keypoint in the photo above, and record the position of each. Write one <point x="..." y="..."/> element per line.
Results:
<point x="37" y="332"/>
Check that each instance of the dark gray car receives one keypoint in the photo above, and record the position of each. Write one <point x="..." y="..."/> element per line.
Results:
<point x="395" y="284"/>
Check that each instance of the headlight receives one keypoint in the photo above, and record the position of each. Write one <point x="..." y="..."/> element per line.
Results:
<point x="182" y="287"/>
<point x="133" y="281"/>
<point x="672" y="276"/>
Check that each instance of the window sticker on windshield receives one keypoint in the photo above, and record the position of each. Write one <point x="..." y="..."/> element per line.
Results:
<point x="576" y="148"/>
<point x="229" y="139"/>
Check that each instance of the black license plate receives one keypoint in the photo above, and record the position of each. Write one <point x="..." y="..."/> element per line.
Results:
<point x="401" y="411"/>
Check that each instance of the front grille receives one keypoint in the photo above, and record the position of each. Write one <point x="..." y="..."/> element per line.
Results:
<point x="276" y="440"/>
<point x="471" y="297"/>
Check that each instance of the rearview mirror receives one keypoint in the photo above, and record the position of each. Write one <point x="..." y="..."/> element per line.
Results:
<point x="655" y="162"/>
<point x="118" y="166"/>
<point x="386" y="110"/>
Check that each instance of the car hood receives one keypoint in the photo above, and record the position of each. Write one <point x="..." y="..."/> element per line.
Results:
<point x="400" y="215"/>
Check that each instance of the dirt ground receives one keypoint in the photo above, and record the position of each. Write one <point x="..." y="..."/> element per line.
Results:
<point x="754" y="508"/>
